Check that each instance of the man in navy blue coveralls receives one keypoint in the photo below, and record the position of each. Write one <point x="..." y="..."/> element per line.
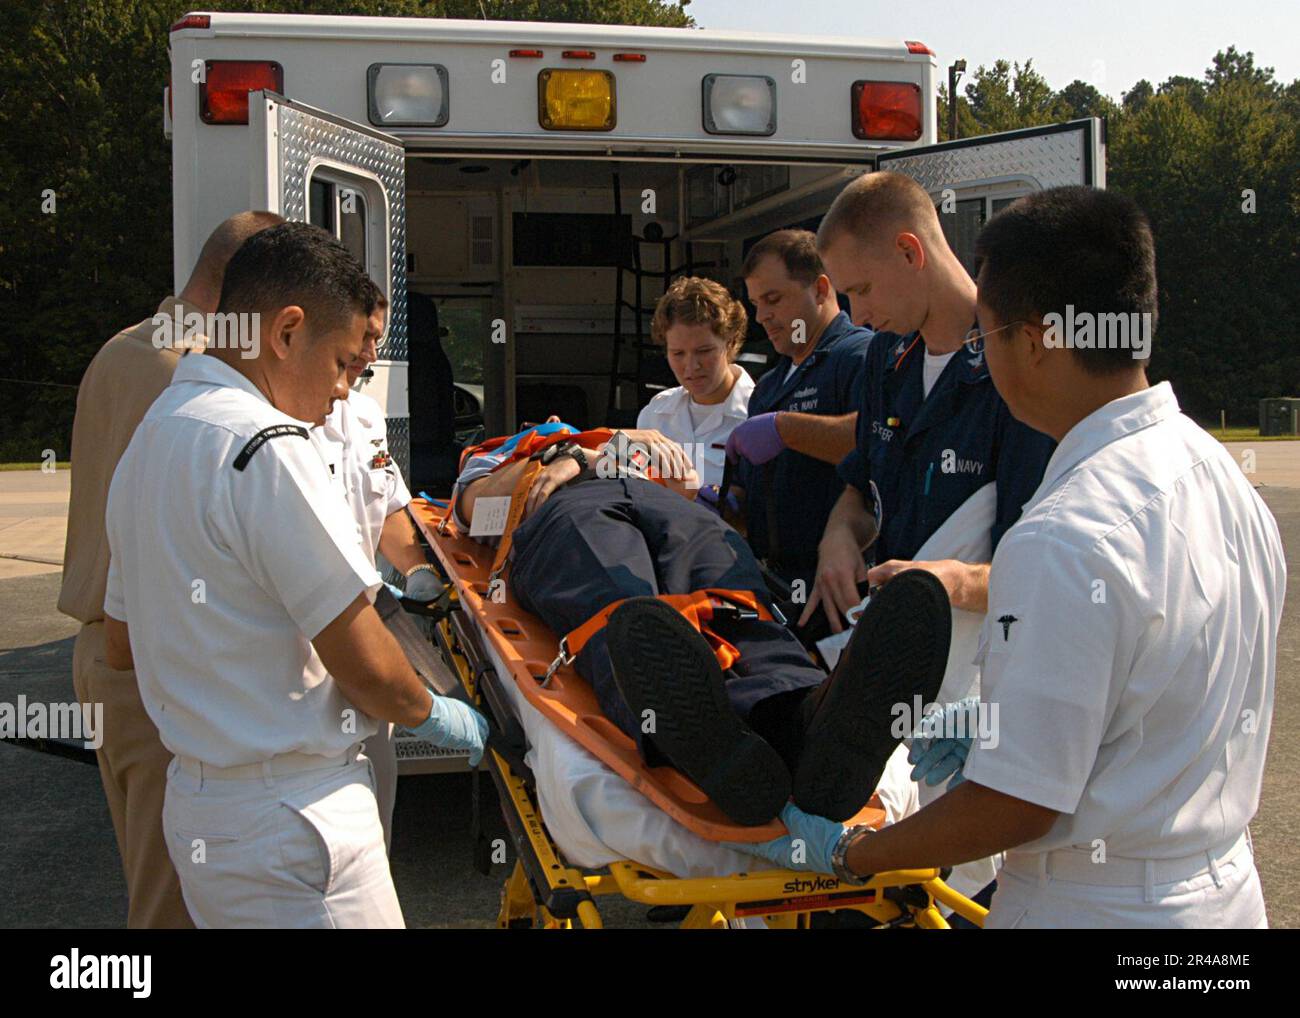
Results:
<point x="931" y="430"/>
<point x="788" y="499"/>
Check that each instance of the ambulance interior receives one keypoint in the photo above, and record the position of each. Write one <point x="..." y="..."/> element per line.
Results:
<point x="513" y="275"/>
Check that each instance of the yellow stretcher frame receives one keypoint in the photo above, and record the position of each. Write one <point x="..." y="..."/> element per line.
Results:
<point x="545" y="891"/>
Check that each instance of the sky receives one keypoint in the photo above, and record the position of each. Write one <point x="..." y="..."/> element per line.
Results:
<point x="1109" y="43"/>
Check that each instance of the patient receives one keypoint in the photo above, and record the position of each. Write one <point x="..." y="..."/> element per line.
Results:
<point x="772" y="724"/>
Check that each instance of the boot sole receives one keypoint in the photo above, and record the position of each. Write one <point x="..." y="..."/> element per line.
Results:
<point x="662" y="664"/>
<point x="899" y="651"/>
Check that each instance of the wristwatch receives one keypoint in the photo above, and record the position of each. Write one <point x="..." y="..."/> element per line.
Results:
<point x="574" y="451"/>
<point x="839" y="865"/>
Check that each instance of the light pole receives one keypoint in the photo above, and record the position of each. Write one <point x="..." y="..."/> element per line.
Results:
<point x="955" y="71"/>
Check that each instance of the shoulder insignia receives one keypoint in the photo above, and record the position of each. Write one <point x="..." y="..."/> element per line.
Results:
<point x="264" y="436"/>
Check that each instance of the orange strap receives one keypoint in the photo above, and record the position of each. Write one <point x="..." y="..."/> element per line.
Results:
<point x="697" y="608"/>
<point x="518" y="500"/>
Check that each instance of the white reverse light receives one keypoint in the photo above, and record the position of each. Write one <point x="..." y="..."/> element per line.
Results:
<point x="739" y="104"/>
<point x="410" y="94"/>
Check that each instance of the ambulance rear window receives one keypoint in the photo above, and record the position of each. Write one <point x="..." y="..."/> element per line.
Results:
<point x="341" y="211"/>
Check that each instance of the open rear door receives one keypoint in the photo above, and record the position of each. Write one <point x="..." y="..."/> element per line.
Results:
<point x="971" y="179"/>
<point x="349" y="179"/>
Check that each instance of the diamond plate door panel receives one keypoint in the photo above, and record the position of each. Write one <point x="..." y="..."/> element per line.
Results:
<point x="399" y="443"/>
<point x="306" y="136"/>
<point x="1041" y="158"/>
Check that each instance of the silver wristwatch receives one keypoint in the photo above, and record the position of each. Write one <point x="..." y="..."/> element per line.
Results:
<point x="838" y="864"/>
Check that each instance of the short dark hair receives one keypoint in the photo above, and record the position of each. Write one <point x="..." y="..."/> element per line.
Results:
<point x="797" y="250"/>
<point x="1070" y="246"/>
<point x="295" y="263"/>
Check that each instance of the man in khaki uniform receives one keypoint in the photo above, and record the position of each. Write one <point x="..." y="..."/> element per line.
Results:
<point x="121" y="383"/>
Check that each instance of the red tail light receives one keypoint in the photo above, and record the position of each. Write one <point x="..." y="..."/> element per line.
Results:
<point x="193" y="21"/>
<point x="886" y="110"/>
<point x="630" y="58"/>
<point x="223" y="95"/>
<point x="579" y="54"/>
<point x="919" y="47"/>
<point x="532" y="54"/>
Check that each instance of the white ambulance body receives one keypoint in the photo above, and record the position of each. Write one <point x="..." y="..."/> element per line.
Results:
<point x="538" y="183"/>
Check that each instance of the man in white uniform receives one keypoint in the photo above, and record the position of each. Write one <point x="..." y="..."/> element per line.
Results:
<point x="353" y="441"/>
<point x="1131" y="639"/>
<point x="240" y="593"/>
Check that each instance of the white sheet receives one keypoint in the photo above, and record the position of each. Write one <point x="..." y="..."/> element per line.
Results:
<point x="967" y="535"/>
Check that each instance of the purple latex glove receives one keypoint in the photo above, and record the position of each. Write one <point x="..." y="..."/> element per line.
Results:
<point x="757" y="440"/>
<point x="707" y="496"/>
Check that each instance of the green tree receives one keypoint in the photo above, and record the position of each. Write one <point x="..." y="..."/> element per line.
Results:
<point x="1198" y="157"/>
<point x="1079" y="99"/>
<point x="967" y="125"/>
<point x="1229" y="66"/>
<point x="1007" y="96"/>
<point x="1136" y="97"/>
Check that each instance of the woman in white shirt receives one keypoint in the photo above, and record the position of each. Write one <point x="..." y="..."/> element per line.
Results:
<point x="702" y="328"/>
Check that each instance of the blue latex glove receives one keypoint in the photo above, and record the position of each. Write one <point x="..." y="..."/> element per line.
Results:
<point x="757" y="439"/>
<point x="807" y="846"/>
<point x="453" y="724"/>
<point x="423" y="586"/>
<point x="941" y="755"/>
<point x="707" y="496"/>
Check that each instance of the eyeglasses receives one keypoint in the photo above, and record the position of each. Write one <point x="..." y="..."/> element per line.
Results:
<point x="975" y="339"/>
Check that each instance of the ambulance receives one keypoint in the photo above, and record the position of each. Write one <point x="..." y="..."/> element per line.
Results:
<point x="523" y="192"/>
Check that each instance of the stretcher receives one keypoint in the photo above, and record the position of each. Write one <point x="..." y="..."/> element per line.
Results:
<point x="511" y="666"/>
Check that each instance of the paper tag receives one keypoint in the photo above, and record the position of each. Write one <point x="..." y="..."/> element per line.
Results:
<point x="490" y="516"/>
<point x="831" y="646"/>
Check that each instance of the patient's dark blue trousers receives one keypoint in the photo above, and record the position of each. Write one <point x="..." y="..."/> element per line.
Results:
<point x="602" y="540"/>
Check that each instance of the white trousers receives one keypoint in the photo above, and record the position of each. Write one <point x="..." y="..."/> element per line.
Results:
<point x="298" y="850"/>
<point x="1225" y="896"/>
<point x="382" y="751"/>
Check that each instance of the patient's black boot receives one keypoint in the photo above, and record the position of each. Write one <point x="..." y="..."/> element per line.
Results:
<point x="662" y="664"/>
<point x="899" y="651"/>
